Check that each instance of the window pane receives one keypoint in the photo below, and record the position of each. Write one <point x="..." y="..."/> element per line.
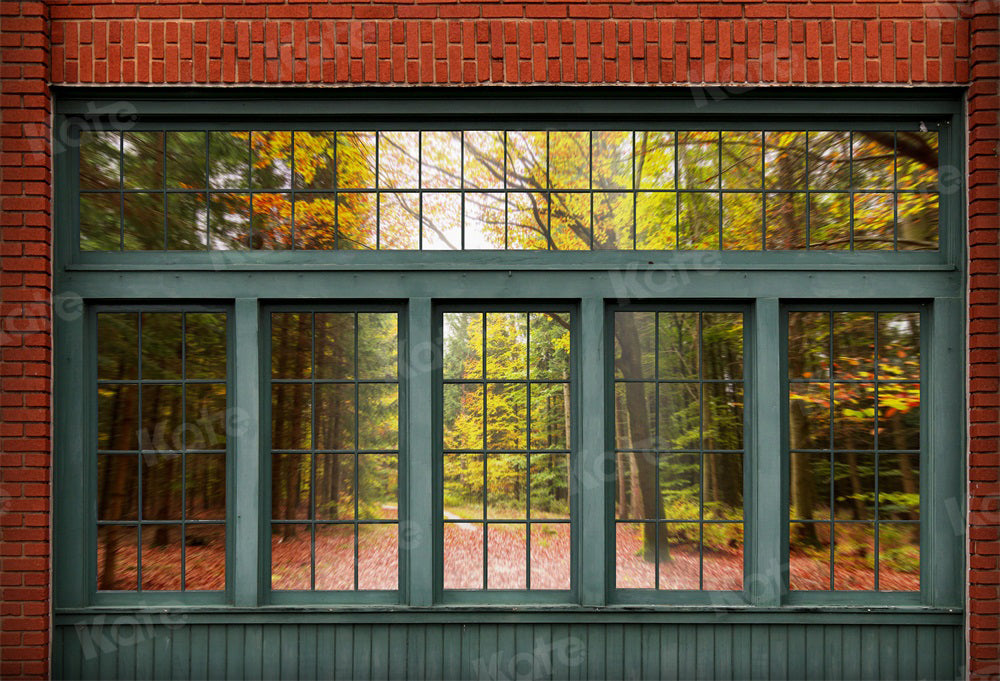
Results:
<point x="854" y="450"/>
<point x="162" y="397"/>
<point x="513" y="421"/>
<point x="679" y="465"/>
<point x="335" y="502"/>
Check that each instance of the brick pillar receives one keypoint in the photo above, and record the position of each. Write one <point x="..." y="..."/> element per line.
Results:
<point x="25" y="341"/>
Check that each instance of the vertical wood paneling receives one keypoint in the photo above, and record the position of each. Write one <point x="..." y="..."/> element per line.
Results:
<point x="505" y="652"/>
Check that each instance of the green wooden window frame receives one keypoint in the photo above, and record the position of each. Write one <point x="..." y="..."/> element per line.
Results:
<point x="593" y="284"/>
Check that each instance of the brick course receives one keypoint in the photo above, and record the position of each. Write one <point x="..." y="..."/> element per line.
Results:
<point x="264" y="42"/>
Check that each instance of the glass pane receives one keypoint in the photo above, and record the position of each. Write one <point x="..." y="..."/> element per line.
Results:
<point x="205" y="557"/>
<point x="722" y="484"/>
<point x="142" y="157"/>
<point x="570" y="221"/>
<point x="485" y="221"/>
<point x="569" y="159"/>
<point x="550" y="556"/>
<point x="356" y="160"/>
<point x="899" y="415"/>
<point x="483" y="154"/>
<point x="873" y="221"/>
<point x="463" y="345"/>
<point x="378" y="345"/>
<point x="787" y="221"/>
<point x="205" y="486"/>
<point x="463" y="556"/>
<point x="315" y="221"/>
<point x="100" y="222"/>
<point x="290" y="484"/>
<point x="809" y="415"/>
<point x="698" y="221"/>
<point x="335" y="416"/>
<point x="899" y="486"/>
<point x="291" y="564"/>
<point x="272" y="221"/>
<point x="636" y="496"/>
<point x="635" y="415"/>
<point x="117" y="487"/>
<point x="205" y="349"/>
<point x="118" y="417"/>
<point x="187" y="222"/>
<point x="162" y="418"/>
<point x="917" y="222"/>
<point x="854" y="486"/>
<point x="441" y="159"/>
<point x="506" y="563"/>
<point x="854" y="416"/>
<point x="229" y="160"/>
<point x="229" y="221"/>
<point x="722" y="338"/>
<point x="272" y="159"/>
<point x="187" y="162"/>
<point x="506" y="486"/>
<point x="679" y="486"/>
<point x="463" y="486"/>
<point x="334" y="496"/>
<point x="291" y="345"/>
<point x="899" y="557"/>
<point x="742" y="221"/>
<point x="206" y="416"/>
<point x="678" y="345"/>
<point x="830" y="221"/>
<point x="550" y="484"/>
<point x="99" y="160"/>
<point x="314" y="161"/>
<point x="809" y="487"/>
<point x="785" y="160"/>
<point x="378" y="557"/>
<point x="463" y="416"/>
<point x="506" y="417"/>
<point x="809" y="345"/>
<point x="527" y="221"/>
<point x="635" y="340"/>
<point x="334" y="558"/>
<point x="809" y="562"/>
<point x="399" y="221"/>
<point x="291" y="416"/>
<point x="161" y="557"/>
<point x="656" y="221"/>
<point x="680" y="562"/>
<point x="854" y="557"/>
<point x="722" y="566"/>
<point x="655" y="160"/>
<point x="550" y="416"/>
<point x="916" y="160"/>
<point x="613" y="220"/>
<point x="162" y="340"/>
<point x="550" y="346"/>
<point x="357" y="224"/>
<point x="611" y="158"/>
<point x="398" y="159"/>
<point x="742" y="160"/>
<point x="117" y="556"/>
<point x="378" y="416"/>
<point x="853" y="345"/>
<point x="872" y="160"/>
<point x="117" y="346"/>
<point x="441" y="221"/>
<point x="378" y="486"/>
<point x="635" y="566"/>
<point x="506" y="349"/>
<point x="698" y="159"/>
<point x="144" y="221"/>
<point x="679" y="416"/>
<point x="527" y="159"/>
<point x="829" y="160"/>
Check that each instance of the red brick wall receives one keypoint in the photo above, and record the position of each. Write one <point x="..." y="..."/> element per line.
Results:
<point x="25" y="342"/>
<point x="262" y="42"/>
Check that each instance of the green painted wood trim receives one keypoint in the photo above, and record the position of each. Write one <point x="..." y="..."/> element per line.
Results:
<point x="246" y="523"/>
<point x="416" y="534"/>
<point x="764" y="579"/>
<point x="591" y="469"/>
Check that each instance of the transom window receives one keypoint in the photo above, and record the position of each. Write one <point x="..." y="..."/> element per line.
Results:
<point x="666" y="404"/>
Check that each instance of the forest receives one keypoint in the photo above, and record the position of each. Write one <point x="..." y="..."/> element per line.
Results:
<point x="506" y="404"/>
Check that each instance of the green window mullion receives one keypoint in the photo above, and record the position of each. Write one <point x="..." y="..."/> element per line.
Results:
<point x="766" y="534"/>
<point x="595" y="515"/>
<point x="245" y="524"/>
<point x="418" y="554"/>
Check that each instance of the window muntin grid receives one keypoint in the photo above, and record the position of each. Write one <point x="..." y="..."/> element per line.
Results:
<point x="854" y="447"/>
<point x="679" y="433"/>
<point x="509" y="190"/>
<point x="334" y="391"/>
<point x="506" y="406"/>
<point x="162" y="424"/>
